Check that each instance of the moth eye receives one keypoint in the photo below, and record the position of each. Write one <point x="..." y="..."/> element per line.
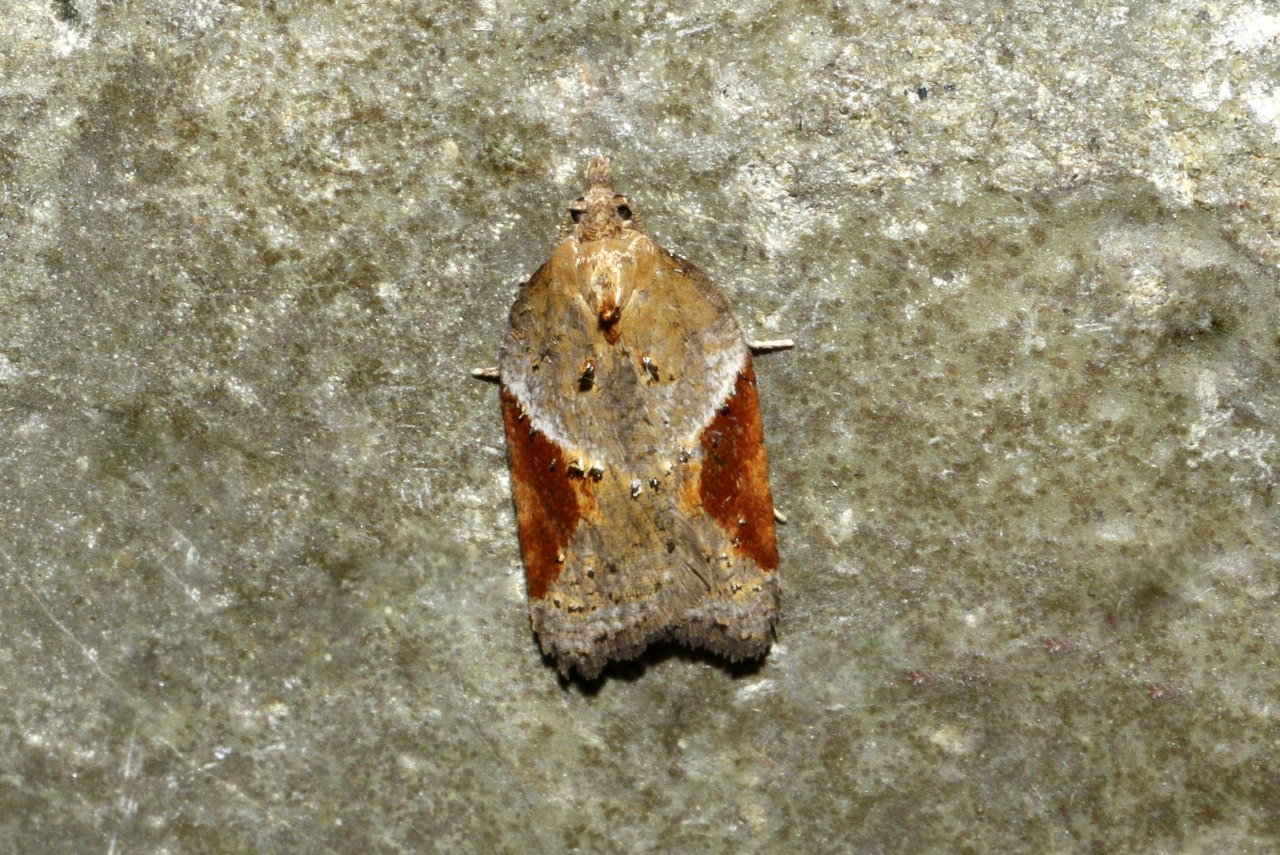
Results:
<point x="624" y="212"/>
<point x="576" y="215"/>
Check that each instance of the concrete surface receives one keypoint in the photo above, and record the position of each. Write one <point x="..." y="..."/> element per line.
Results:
<point x="261" y="586"/>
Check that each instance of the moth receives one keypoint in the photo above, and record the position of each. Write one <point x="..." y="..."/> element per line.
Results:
<point x="636" y="448"/>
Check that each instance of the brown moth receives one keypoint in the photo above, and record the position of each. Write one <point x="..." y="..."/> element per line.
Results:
<point x="636" y="449"/>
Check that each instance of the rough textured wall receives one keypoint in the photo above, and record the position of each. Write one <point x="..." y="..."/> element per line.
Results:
<point x="261" y="581"/>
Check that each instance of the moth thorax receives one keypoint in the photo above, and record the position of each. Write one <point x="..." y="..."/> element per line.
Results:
<point x="607" y="295"/>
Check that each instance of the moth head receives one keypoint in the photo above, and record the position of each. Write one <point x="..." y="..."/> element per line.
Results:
<point x="599" y="213"/>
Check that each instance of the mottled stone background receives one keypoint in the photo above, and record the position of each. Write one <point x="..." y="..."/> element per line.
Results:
<point x="261" y="585"/>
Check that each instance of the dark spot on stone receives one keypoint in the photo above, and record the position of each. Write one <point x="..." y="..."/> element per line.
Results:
<point x="66" y="12"/>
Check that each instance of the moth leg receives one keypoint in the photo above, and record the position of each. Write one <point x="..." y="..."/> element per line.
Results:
<point x="770" y="345"/>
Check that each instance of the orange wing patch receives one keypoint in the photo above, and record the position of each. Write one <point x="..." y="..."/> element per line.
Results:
<point x="734" y="483"/>
<point x="549" y="500"/>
